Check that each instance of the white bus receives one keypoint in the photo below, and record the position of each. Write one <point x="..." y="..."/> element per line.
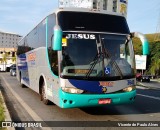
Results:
<point x="78" y="58"/>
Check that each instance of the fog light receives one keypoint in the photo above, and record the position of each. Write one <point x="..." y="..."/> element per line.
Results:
<point x="72" y="90"/>
<point x="129" y="89"/>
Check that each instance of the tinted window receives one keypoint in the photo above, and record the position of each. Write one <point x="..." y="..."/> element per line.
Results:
<point x="13" y="68"/>
<point x="80" y="21"/>
<point x="53" y="56"/>
<point x="36" y="38"/>
<point x="79" y="52"/>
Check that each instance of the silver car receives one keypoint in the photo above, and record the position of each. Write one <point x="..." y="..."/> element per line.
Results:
<point x="13" y="71"/>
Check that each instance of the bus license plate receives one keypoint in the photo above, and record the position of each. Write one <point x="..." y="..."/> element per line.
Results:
<point x="104" y="101"/>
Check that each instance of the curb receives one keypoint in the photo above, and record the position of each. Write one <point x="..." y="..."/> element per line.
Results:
<point x="157" y="80"/>
<point x="148" y="87"/>
<point x="6" y="113"/>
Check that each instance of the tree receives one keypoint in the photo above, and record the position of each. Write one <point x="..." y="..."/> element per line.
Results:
<point x="155" y="67"/>
<point x="13" y="59"/>
<point x="137" y="46"/>
<point x="4" y="59"/>
<point x="155" y="59"/>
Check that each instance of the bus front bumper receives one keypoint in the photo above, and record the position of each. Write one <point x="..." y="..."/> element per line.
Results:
<point x="68" y="100"/>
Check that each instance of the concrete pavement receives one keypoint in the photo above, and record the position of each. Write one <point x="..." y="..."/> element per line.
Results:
<point x="6" y="112"/>
<point x="153" y="84"/>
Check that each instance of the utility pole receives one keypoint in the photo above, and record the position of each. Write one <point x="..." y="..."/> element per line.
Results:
<point x="157" y="35"/>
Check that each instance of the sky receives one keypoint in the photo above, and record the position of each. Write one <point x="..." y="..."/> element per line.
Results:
<point x="21" y="16"/>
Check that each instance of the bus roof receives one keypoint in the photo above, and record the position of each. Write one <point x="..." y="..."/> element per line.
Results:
<point x="76" y="10"/>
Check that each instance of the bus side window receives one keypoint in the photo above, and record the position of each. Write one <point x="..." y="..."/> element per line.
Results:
<point x="53" y="58"/>
<point x="53" y="55"/>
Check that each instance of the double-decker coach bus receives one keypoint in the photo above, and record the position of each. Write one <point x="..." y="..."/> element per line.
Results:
<point x="79" y="58"/>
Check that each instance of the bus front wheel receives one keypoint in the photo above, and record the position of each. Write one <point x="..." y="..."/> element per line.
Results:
<point x="43" y="95"/>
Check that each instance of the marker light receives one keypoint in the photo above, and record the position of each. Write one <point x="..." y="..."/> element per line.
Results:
<point x="72" y="90"/>
<point x="129" y="89"/>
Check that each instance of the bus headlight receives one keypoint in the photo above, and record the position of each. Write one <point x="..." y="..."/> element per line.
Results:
<point x="129" y="89"/>
<point x="72" y="90"/>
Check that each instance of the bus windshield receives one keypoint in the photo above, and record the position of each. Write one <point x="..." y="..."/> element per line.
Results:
<point x="97" y="56"/>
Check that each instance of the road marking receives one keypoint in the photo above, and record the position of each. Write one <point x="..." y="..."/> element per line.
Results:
<point x="157" y="98"/>
<point x="25" y="106"/>
<point x="139" y="87"/>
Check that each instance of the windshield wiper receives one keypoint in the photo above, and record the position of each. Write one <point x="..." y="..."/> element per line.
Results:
<point x="96" y="59"/>
<point x="113" y="62"/>
<point x="103" y="53"/>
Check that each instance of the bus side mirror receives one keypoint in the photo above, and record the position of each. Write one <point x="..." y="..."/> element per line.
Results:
<point x="146" y="48"/>
<point x="57" y="41"/>
<point x="144" y="41"/>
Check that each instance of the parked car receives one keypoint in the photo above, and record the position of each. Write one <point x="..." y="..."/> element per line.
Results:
<point x="13" y="71"/>
<point x="142" y="78"/>
<point x="11" y="67"/>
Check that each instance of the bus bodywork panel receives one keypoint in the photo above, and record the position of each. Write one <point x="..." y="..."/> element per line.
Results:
<point x="32" y="66"/>
<point x="94" y="91"/>
<point x="97" y="86"/>
<point x="84" y="100"/>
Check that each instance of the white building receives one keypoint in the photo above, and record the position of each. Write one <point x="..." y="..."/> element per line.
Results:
<point x="118" y="6"/>
<point x="8" y="48"/>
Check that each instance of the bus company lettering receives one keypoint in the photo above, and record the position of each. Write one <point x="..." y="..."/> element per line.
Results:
<point x="32" y="56"/>
<point x="130" y="82"/>
<point x="106" y="84"/>
<point x="81" y="36"/>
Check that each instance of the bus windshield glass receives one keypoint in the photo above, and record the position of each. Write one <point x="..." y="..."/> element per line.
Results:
<point x="97" y="56"/>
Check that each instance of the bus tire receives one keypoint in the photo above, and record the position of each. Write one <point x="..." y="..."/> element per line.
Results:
<point x="43" y="95"/>
<point x="20" y="77"/>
